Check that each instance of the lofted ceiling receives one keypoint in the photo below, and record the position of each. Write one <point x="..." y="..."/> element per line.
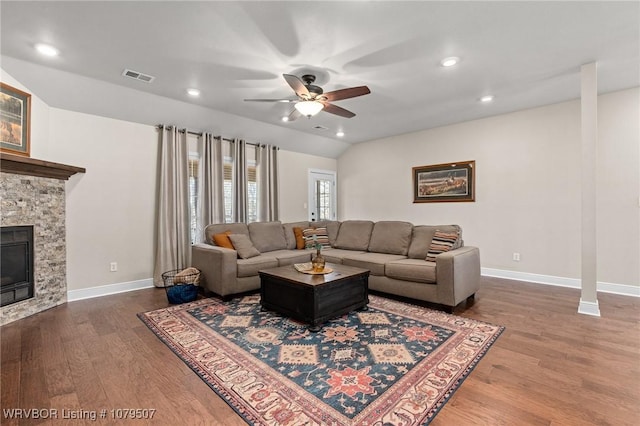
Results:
<point x="526" y="54"/>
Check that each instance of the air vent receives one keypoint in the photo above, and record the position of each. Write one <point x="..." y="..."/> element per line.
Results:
<point x="137" y="75"/>
<point x="318" y="127"/>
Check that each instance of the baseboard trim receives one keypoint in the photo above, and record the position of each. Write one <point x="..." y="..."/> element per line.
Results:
<point x="105" y="290"/>
<point x="621" y="289"/>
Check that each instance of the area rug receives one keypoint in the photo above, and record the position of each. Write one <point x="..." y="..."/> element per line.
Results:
<point x="392" y="364"/>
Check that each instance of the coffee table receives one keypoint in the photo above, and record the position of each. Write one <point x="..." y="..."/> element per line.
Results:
<point x="314" y="299"/>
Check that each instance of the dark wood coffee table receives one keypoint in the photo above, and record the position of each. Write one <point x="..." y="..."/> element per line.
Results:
<point x="314" y="299"/>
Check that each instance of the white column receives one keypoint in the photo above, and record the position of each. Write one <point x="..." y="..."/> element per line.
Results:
<point x="589" y="138"/>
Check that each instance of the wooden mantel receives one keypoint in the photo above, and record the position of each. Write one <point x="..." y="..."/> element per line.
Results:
<point x="17" y="164"/>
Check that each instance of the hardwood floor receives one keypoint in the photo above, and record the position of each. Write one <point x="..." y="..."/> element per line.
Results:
<point x="551" y="366"/>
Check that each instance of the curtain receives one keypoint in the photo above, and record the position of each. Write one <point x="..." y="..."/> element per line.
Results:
<point x="267" y="165"/>
<point x="240" y="196"/>
<point x="173" y="248"/>
<point x="211" y="183"/>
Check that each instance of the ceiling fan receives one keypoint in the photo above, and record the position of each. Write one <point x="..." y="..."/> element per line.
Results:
<point x="312" y="99"/>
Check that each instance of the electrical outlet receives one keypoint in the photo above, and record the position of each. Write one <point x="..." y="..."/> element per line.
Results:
<point x="113" y="266"/>
<point x="516" y="257"/>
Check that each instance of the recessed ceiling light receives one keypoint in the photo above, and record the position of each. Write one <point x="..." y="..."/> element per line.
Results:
<point x="339" y="134"/>
<point x="285" y="118"/>
<point x="450" y="61"/>
<point x="46" y="49"/>
<point x="193" y="92"/>
<point x="486" y="99"/>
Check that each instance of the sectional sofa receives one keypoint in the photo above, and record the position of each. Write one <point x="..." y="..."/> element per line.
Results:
<point x="421" y="262"/>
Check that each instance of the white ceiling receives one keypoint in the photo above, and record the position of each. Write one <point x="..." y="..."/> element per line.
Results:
<point x="527" y="54"/>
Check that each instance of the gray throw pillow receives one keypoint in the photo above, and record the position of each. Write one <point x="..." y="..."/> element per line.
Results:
<point x="243" y="245"/>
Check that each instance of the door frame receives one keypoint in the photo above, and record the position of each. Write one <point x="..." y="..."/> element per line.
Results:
<point x="313" y="175"/>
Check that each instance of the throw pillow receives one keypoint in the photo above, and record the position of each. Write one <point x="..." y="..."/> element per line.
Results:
<point x="299" y="238"/>
<point x="441" y="242"/>
<point x="322" y="237"/>
<point x="243" y="245"/>
<point x="223" y="240"/>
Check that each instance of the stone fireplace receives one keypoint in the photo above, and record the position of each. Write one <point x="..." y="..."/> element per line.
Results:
<point x="32" y="194"/>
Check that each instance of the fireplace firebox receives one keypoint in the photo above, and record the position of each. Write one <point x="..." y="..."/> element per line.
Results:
<point x="16" y="264"/>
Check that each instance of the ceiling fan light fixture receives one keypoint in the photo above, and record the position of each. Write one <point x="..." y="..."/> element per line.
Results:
<point x="309" y="108"/>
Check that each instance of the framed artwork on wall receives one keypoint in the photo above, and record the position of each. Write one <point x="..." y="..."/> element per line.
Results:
<point x="15" y="121"/>
<point x="444" y="182"/>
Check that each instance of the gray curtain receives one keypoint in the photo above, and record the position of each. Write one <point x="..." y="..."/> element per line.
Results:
<point x="211" y="179"/>
<point x="173" y="248"/>
<point x="240" y="199"/>
<point x="267" y="175"/>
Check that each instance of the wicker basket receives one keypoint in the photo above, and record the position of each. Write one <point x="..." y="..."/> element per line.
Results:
<point x="181" y="285"/>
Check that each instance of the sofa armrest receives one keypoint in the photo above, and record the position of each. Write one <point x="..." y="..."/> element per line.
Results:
<point x="457" y="274"/>
<point x="218" y="267"/>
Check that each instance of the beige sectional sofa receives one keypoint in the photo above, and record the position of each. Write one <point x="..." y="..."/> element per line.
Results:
<point x="395" y="252"/>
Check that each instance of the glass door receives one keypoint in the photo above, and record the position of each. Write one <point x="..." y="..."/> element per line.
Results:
<point x="322" y="195"/>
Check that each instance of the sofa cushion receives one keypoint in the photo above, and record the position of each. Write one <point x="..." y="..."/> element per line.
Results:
<point x="354" y="235"/>
<point x="441" y="242"/>
<point x="335" y="255"/>
<point x="332" y="229"/>
<point x="374" y="262"/>
<point x="220" y="228"/>
<point x="267" y="236"/>
<point x="289" y="257"/>
<point x="416" y="270"/>
<point x="321" y="237"/>
<point x="250" y="267"/>
<point x="243" y="245"/>
<point x="289" y="233"/>
<point x="422" y="236"/>
<point x="222" y="240"/>
<point x="392" y="237"/>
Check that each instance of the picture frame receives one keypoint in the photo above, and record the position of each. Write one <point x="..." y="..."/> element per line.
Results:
<point x="15" y="121"/>
<point x="446" y="182"/>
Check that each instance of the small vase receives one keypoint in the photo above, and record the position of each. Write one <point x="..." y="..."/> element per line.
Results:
<point x="318" y="262"/>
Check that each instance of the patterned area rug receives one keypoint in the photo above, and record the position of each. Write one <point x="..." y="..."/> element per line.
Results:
<point x="392" y="364"/>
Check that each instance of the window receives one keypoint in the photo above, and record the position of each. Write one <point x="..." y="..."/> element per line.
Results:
<point x="252" y="192"/>
<point x="194" y="187"/>
<point x="194" y="163"/>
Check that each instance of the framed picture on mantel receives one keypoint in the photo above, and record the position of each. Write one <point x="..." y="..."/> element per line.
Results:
<point x="444" y="182"/>
<point x="15" y="120"/>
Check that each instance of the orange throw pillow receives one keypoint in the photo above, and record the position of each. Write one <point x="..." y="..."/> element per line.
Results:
<point x="299" y="238"/>
<point x="223" y="240"/>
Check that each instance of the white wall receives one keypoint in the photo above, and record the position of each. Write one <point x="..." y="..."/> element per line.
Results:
<point x="527" y="186"/>
<point x="294" y="184"/>
<point x="618" y="187"/>
<point x="111" y="208"/>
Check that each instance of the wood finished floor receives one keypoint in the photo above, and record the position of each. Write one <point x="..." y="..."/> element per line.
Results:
<point x="551" y="366"/>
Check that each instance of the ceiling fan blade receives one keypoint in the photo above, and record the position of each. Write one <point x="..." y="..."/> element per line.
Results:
<point x="351" y="92"/>
<point x="271" y="100"/>
<point x="333" y="109"/>
<point x="295" y="114"/>
<point x="297" y="85"/>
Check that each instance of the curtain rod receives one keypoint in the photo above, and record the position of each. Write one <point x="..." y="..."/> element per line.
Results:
<point x="161" y="126"/>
